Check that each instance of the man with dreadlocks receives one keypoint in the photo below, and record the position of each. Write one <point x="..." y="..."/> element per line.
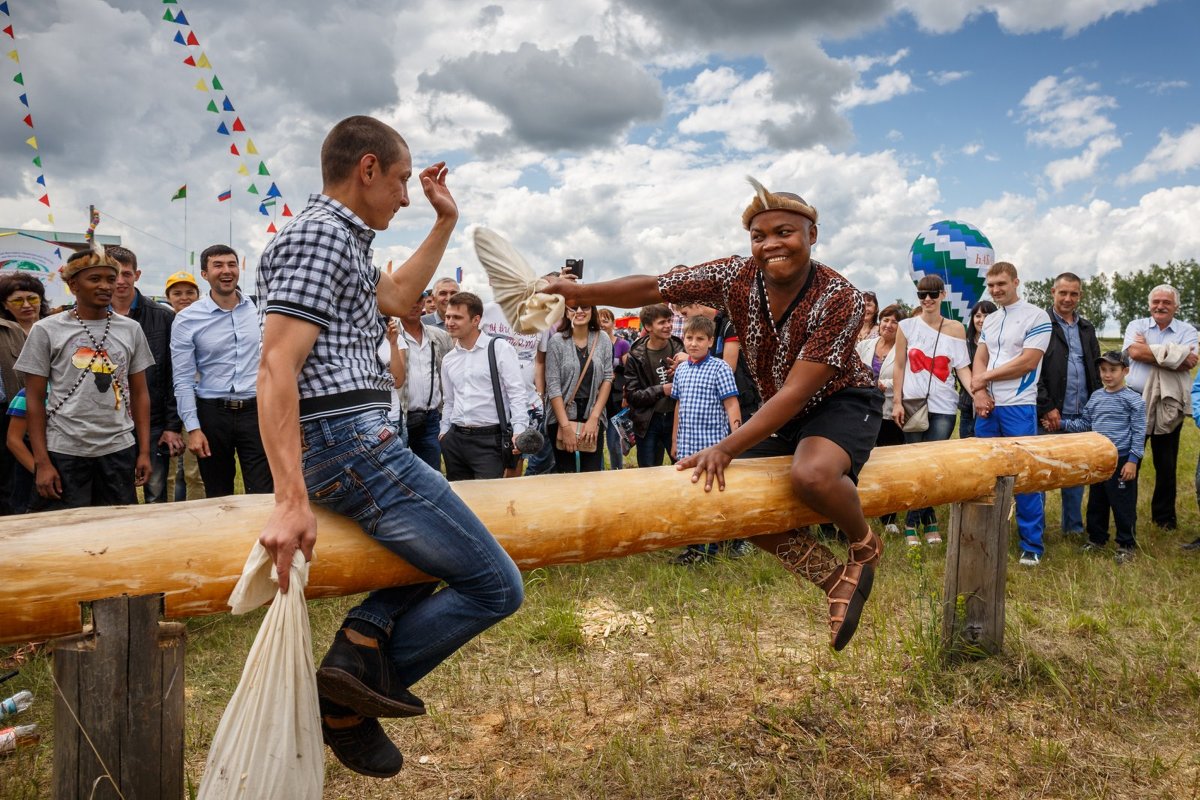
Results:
<point x="798" y="322"/>
<point x="86" y="396"/>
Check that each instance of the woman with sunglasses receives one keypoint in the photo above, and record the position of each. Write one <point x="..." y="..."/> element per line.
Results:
<point x="22" y="303"/>
<point x="966" y="405"/>
<point x="23" y="300"/>
<point x="930" y="349"/>
<point x="579" y="373"/>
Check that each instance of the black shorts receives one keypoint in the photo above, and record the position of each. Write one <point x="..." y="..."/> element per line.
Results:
<point x="850" y="419"/>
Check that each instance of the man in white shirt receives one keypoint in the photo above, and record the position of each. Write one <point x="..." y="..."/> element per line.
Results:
<point x="494" y="324"/>
<point x="475" y="442"/>
<point x="1160" y="328"/>
<point x="427" y="346"/>
<point x="1004" y="385"/>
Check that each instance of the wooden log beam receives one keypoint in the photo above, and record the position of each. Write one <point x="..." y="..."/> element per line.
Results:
<point x="193" y="552"/>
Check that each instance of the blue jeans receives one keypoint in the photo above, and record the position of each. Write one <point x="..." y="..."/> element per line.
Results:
<point x="356" y="466"/>
<point x="612" y="439"/>
<point x="654" y="445"/>
<point x="966" y="424"/>
<point x="1031" y="510"/>
<point x="541" y="462"/>
<point x="155" y="490"/>
<point x="941" y="428"/>
<point x="423" y="439"/>
<point x="1071" y="496"/>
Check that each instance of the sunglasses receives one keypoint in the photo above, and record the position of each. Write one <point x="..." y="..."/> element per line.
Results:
<point x="17" y="302"/>
<point x="928" y="295"/>
<point x="577" y="309"/>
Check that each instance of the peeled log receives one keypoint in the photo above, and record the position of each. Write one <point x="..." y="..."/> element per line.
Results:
<point x="194" y="552"/>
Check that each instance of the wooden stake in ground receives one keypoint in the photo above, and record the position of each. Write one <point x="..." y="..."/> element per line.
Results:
<point x="193" y="552"/>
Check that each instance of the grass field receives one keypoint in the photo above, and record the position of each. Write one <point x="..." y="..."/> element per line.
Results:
<point x="723" y="685"/>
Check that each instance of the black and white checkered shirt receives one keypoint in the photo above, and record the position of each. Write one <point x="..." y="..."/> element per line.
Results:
<point x="319" y="269"/>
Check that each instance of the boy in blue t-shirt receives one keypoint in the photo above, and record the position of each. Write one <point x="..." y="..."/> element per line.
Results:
<point x="707" y="408"/>
<point x="1119" y="413"/>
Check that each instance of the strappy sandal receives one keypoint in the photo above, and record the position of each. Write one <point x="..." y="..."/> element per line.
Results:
<point x="846" y="598"/>
<point x="866" y="551"/>
<point x="932" y="536"/>
<point x="911" y="538"/>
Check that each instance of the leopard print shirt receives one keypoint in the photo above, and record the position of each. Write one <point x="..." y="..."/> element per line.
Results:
<point x="823" y="327"/>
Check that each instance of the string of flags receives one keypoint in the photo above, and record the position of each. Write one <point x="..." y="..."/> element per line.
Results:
<point x="252" y="166"/>
<point x="19" y="79"/>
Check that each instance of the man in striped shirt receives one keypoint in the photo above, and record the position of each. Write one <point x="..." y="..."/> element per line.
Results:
<point x="1004" y="386"/>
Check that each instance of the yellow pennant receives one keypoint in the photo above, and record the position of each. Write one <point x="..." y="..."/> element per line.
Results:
<point x="32" y="142"/>
<point x="14" y="56"/>
<point x="203" y="61"/>
<point x="201" y="85"/>
<point x="242" y="170"/>
<point x="51" y="218"/>
<point x="250" y="148"/>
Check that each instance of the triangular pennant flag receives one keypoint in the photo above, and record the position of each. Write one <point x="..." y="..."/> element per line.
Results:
<point x="243" y="171"/>
<point x="222" y="129"/>
<point x="238" y="126"/>
<point x="179" y="36"/>
<point x="212" y="106"/>
<point x="8" y="30"/>
<point x="287" y="212"/>
<point x="15" y="56"/>
<point x="201" y="86"/>
<point x="4" y="9"/>
<point x="217" y="87"/>
<point x="228" y="106"/>
<point x="262" y="209"/>
<point x="253" y="189"/>
<point x="233" y="149"/>
<point x="168" y="16"/>
<point x="271" y="228"/>
<point x="192" y="40"/>
<point x="19" y="78"/>
<point x="29" y="120"/>
<point x="37" y="161"/>
<point x="262" y="169"/>
<point x="25" y="100"/>
<point x="203" y="61"/>
<point x="274" y="191"/>
<point x="45" y="199"/>
<point x="250" y="148"/>
<point x="32" y="142"/>
<point x="191" y="62"/>
<point x="180" y="18"/>
<point x="41" y="179"/>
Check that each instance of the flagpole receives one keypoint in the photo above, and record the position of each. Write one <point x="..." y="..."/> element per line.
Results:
<point x="231" y="220"/>
<point x="186" y="261"/>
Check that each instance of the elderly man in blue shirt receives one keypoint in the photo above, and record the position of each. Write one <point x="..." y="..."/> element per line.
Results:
<point x="215" y="347"/>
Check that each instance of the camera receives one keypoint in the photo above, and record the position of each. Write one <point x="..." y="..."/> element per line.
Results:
<point x="575" y="265"/>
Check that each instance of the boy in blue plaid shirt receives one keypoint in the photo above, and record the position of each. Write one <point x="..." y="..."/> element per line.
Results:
<point x="707" y="408"/>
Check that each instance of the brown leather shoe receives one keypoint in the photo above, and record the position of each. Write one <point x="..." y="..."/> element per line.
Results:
<point x="847" y="591"/>
<point x="867" y="551"/>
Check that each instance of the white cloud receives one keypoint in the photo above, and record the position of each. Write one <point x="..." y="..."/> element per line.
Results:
<point x="1172" y="154"/>
<point x="894" y="135"/>
<point x="1162" y="87"/>
<point x="972" y="148"/>
<point x="1084" y="165"/>
<point x="886" y="87"/>
<point x="1065" y="113"/>
<point x="1020" y="16"/>
<point x="866" y="63"/>
<point x="948" y="76"/>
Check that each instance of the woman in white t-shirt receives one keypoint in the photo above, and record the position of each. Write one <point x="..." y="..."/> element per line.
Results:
<point x="930" y="349"/>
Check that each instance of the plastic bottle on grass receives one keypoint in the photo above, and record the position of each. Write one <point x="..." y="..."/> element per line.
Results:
<point x="20" y="736"/>
<point x="15" y="704"/>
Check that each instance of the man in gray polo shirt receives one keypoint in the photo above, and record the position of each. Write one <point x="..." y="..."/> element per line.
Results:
<point x="324" y="401"/>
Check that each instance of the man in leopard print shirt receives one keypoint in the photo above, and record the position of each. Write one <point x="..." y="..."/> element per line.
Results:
<point x="797" y="320"/>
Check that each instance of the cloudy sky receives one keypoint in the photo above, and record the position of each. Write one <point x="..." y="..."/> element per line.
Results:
<point x="620" y="131"/>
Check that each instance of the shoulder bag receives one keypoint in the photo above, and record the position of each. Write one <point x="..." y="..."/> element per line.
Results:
<point x="916" y="412"/>
<point x="506" y="430"/>
<point x="580" y="444"/>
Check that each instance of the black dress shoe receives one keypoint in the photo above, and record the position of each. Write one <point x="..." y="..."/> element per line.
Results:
<point x="1193" y="545"/>
<point x="361" y="746"/>
<point x="356" y="672"/>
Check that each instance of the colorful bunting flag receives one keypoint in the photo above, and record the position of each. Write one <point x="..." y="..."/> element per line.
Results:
<point x="238" y="126"/>
<point x="19" y="78"/>
<point x="274" y="191"/>
<point x="37" y="161"/>
<point x="168" y="16"/>
<point x="262" y="168"/>
<point x="192" y="40"/>
<point x="221" y="129"/>
<point x="45" y="200"/>
<point x="287" y="212"/>
<point x="253" y="189"/>
<point x="233" y="149"/>
<point x="180" y="18"/>
<point x="25" y="100"/>
<point x="179" y="38"/>
<point x="216" y="84"/>
<point x="250" y="148"/>
<point x="41" y="179"/>
<point x="32" y="142"/>
<point x="225" y="195"/>
<point x="201" y="86"/>
<point x="243" y="171"/>
<point x="262" y="209"/>
<point x="28" y="120"/>
<point x="4" y="9"/>
<point x="228" y="106"/>
<point x="191" y="62"/>
<point x="181" y="194"/>
<point x="15" y="56"/>
<point x="203" y="61"/>
<point x="212" y="106"/>
<point x="8" y="30"/>
<point x="271" y="228"/>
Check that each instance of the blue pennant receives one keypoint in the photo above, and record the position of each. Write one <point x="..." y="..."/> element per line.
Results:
<point x="179" y="38"/>
<point x="223" y="130"/>
<point x="274" y="192"/>
<point x="228" y="106"/>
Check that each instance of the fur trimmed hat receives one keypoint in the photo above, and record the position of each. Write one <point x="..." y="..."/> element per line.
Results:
<point x="775" y="201"/>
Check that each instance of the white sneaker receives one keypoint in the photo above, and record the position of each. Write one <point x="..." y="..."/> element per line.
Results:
<point x="1030" y="559"/>
<point x="891" y="529"/>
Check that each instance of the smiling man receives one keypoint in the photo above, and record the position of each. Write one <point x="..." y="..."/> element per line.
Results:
<point x="325" y="398"/>
<point x="797" y="321"/>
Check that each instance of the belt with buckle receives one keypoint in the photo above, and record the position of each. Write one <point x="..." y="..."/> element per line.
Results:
<point x="482" y="430"/>
<point x="229" y="405"/>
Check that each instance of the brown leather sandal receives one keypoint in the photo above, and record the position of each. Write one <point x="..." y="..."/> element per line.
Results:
<point x="867" y="551"/>
<point x="847" y="595"/>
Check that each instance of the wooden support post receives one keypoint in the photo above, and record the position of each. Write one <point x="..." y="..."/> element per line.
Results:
<point x="976" y="570"/>
<point x="119" y="708"/>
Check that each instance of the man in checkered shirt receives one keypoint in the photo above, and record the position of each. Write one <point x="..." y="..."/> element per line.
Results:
<point x="324" y="398"/>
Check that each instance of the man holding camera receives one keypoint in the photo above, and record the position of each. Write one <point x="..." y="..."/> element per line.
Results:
<point x="481" y="380"/>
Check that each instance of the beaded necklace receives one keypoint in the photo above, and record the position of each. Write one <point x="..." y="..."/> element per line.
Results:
<point x="97" y="349"/>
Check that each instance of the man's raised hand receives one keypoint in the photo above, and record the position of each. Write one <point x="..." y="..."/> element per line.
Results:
<point x="433" y="183"/>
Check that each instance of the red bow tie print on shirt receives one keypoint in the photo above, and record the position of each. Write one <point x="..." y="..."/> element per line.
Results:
<point x="939" y="366"/>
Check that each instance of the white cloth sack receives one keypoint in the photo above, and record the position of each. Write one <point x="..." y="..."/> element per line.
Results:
<point x="516" y="288"/>
<point x="268" y="745"/>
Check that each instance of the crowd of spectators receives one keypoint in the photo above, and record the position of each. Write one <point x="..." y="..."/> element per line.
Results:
<point x="120" y="391"/>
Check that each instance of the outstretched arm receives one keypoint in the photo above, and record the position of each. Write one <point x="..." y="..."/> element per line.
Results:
<point x="632" y="291"/>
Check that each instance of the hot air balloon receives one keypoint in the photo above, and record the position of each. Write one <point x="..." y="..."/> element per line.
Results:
<point x="959" y="254"/>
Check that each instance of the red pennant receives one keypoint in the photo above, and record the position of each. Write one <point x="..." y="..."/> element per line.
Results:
<point x="270" y="228"/>
<point x="29" y="120"/>
<point x="192" y="40"/>
<point x="287" y="212"/>
<point x="233" y="149"/>
<point x="237" y="125"/>
<point x="45" y="199"/>
<point x="8" y="30"/>
<point x="191" y="62"/>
